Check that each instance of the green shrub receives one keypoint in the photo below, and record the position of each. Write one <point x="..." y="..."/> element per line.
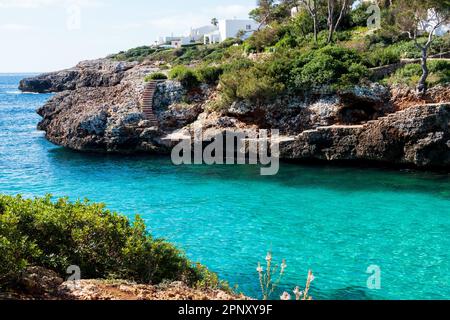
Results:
<point x="197" y="53"/>
<point x="249" y="84"/>
<point x="330" y="66"/>
<point x="385" y="36"/>
<point x="408" y="49"/>
<point x="103" y="244"/>
<point x="411" y="73"/>
<point x="381" y="57"/>
<point x="135" y="54"/>
<point x="265" y="38"/>
<point x="238" y="64"/>
<point x="186" y="76"/>
<point x="209" y="74"/>
<point x="155" y="76"/>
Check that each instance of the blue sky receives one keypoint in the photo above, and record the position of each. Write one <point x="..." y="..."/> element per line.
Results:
<point x="46" y="35"/>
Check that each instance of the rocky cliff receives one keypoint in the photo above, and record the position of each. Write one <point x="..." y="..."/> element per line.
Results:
<point x="417" y="136"/>
<point x="97" y="108"/>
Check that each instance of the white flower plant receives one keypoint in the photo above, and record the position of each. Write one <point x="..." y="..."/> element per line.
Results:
<point x="270" y="278"/>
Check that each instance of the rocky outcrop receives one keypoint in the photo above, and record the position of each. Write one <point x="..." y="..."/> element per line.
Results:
<point x="38" y="283"/>
<point x="293" y="114"/>
<point x="100" y="111"/>
<point x="97" y="108"/>
<point x="418" y="136"/>
<point x="97" y="73"/>
<point x="124" y="290"/>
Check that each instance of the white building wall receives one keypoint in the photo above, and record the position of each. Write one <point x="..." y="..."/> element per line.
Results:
<point x="226" y="29"/>
<point x="198" y="33"/>
<point x="230" y="28"/>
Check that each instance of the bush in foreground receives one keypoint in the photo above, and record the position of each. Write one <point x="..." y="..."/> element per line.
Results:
<point x="58" y="234"/>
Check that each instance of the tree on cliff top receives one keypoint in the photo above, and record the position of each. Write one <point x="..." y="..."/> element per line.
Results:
<point x="337" y="10"/>
<point x="418" y="17"/>
<point x="312" y="6"/>
<point x="268" y="11"/>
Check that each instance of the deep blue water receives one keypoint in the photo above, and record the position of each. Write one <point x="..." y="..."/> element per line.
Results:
<point x="336" y="221"/>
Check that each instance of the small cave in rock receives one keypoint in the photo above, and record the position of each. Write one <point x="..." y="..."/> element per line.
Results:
<point x="256" y="117"/>
<point x="358" y="112"/>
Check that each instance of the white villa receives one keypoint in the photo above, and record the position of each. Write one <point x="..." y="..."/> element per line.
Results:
<point x="227" y="28"/>
<point x="230" y="29"/>
<point x="197" y="34"/>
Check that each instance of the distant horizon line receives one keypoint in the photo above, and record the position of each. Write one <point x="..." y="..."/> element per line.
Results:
<point x="17" y="73"/>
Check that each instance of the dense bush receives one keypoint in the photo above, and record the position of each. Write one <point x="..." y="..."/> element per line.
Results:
<point x="289" y="70"/>
<point x="331" y="66"/>
<point x="381" y="56"/>
<point x="185" y="75"/>
<point x="135" y="54"/>
<point x="249" y="85"/>
<point x="385" y="36"/>
<point x="265" y="38"/>
<point x="155" y="76"/>
<point x="103" y="244"/>
<point x="209" y="74"/>
<point x="209" y="53"/>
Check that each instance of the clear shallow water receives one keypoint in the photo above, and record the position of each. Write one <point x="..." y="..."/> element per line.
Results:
<point x="337" y="221"/>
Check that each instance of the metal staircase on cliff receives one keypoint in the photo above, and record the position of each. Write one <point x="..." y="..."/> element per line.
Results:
<point x="147" y="103"/>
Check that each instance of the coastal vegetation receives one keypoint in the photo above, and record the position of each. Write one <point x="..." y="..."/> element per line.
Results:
<point x="327" y="46"/>
<point x="439" y="73"/>
<point x="55" y="234"/>
<point x="271" y="275"/>
<point x="155" y="76"/>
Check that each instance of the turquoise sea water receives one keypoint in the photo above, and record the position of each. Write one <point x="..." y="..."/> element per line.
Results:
<point x="336" y="221"/>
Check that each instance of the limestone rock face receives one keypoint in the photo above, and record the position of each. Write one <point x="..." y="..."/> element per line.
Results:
<point x="168" y="93"/>
<point x="106" y="116"/>
<point x="417" y="136"/>
<point x="293" y="114"/>
<point x="97" y="73"/>
<point x="97" y="108"/>
<point x="123" y="290"/>
<point x="37" y="283"/>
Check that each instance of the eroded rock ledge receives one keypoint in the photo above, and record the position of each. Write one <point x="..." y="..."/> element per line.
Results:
<point x="417" y="136"/>
<point x="96" y="108"/>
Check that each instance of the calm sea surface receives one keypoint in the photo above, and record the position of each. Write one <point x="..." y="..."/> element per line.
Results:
<point x="336" y="221"/>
